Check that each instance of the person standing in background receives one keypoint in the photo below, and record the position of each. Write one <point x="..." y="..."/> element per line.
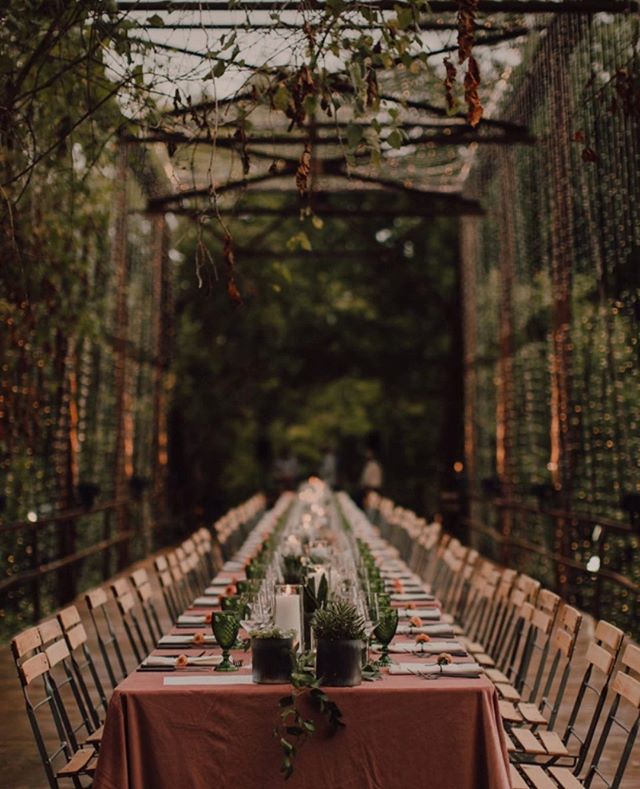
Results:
<point x="329" y="467"/>
<point x="371" y="477"/>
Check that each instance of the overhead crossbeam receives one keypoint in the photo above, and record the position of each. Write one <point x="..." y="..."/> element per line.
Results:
<point x="393" y="200"/>
<point x="435" y="6"/>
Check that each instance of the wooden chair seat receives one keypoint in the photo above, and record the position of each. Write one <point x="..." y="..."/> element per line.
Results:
<point x="484" y="660"/>
<point x="509" y="712"/>
<point x="83" y="762"/>
<point x="525" y="740"/>
<point x="95" y="738"/>
<point x="565" y="778"/>
<point x="552" y="743"/>
<point x="507" y="691"/>
<point x="550" y="777"/>
<point x="472" y="646"/>
<point x="517" y="781"/>
<point x="542" y="742"/>
<point x="538" y="777"/>
<point x="495" y="675"/>
<point x="532" y="714"/>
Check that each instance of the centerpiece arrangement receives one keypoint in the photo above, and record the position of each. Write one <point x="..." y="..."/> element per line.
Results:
<point x="312" y="599"/>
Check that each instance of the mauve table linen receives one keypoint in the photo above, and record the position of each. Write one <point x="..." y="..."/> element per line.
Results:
<point x="401" y="732"/>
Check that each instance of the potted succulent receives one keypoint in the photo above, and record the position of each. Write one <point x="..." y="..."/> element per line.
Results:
<point x="340" y="632"/>
<point x="272" y="655"/>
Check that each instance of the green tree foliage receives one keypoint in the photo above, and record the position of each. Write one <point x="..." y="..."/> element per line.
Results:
<point x="356" y="337"/>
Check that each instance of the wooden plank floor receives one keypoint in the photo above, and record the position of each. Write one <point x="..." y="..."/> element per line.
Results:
<point x="20" y="767"/>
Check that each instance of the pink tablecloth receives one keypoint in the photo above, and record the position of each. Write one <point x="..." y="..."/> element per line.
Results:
<point x="401" y="732"/>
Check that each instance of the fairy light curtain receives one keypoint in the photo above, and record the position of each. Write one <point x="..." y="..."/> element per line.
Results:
<point x="552" y="277"/>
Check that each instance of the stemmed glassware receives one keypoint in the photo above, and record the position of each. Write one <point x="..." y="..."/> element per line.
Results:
<point x="384" y="631"/>
<point x="225" y="627"/>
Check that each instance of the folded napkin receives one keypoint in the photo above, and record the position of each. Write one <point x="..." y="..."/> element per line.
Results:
<point x="403" y="597"/>
<point x="402" y="575"/>
<point x="432" y="614"/>
<point x="202" y="660"/>
<point x="428" y="648"/>
<point x="471" y="670"/>
<point x="192" y="619"/>
<point x="232" y="566"/>
<point x="206" y="600"/>
<point x="169" y="641"/>
<point x="431" y="630"/>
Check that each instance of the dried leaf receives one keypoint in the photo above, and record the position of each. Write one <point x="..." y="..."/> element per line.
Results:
<point x="449" y="82"/>
<point x="466" y="19"/>
<point x="471" y="83"/>
<point x="373" y="93"/>
<point x="303" y="171"/>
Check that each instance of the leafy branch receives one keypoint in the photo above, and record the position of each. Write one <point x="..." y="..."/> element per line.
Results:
<point x="294" y="728"/>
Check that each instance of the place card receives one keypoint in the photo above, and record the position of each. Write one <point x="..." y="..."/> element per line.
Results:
<point x="208" y="679"/>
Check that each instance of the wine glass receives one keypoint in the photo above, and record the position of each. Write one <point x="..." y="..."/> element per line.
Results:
<point x="384" y="631"/>
<point x="225" y="627"/>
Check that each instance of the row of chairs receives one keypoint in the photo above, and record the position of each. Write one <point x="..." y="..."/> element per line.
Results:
<point x="525" y="638"/>
<point x="66" y="689"/>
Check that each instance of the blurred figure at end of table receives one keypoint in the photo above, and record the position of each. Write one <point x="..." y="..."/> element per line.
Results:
<point x="329" y="467"/>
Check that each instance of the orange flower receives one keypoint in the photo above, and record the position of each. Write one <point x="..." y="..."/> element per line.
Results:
<point x="207" y="618"/>
<point x="398" y="585"/>
<point x="230" y="590"/>
<point x="422" y="638"/>
<point x="182" y="661"/>
<point x="415" y="621"/>
<point x="198" y="638"/>
<point x="411" y="606"/>
<point x="444" y="659"/>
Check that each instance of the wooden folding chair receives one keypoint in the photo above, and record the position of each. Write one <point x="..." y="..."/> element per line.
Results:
<point x="75" y="707"/>
<point x="61" y="757"/>
<point x="168" y="587"/>
<point x="85" y="669"/>
<point x="625" y="689"/>
<point x="144" y="592"/>
<point x="530" y="667"/>
<point x="126" y="606"/>
<point x="542" y="744"/>
<point x="108" y="643"/>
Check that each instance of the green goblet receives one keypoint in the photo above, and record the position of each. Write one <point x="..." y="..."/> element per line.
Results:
<point x="384" y="632"/>
<point x="225" y="627"/>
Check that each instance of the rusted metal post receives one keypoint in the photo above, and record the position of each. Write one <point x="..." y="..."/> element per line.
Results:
<point x="469" y="242"/>
<point x="121" y="322"/>
<point x="504" y="394"/>
<point x="561" y="229"/>
<point x="160" y="353"/>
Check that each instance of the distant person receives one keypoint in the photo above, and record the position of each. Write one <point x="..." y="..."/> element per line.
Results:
<point x="329" y="467"/>
<point x="371" y="477"/>
<point x="287" y="471"/>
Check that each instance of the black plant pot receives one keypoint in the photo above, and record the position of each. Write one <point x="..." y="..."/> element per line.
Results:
<point x="338" y="663"/>
<point x="271" y="660"/>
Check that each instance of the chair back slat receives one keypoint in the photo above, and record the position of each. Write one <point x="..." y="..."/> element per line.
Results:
<point x="25" y="642"/>
<point x="33" y="667"/>
<point x="628" y="687"/>
<point x="57" y="652"/>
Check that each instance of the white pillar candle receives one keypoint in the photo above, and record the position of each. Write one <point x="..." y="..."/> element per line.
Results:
<point x="288" y="612"/>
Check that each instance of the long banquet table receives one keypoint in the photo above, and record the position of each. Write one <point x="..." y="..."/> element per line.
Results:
<point x="401" y="731"/>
